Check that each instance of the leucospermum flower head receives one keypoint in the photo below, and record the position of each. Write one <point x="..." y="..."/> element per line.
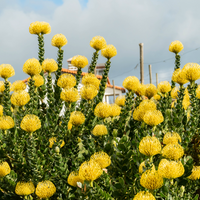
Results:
<point x="20" y="98"/>
<point x="38" y="80"/>
<point x="191" y="71"/>
<point x="179" y="77"/>
<point x="53" y="140"/>
<point x="32" y="67"/>
<point x="157" y="97"/>
<point x="77" y="118"/>
<point x="195" y="173"/>
<point x="91" y="79"/>
<point x="170" y="169"/>
<point x="79" y="61"/>
<point x="186" y="100"/>
<point x="49" y="65"/>
<point x="45" y="189"/>
<point x="69" y="125"/>
<point x="142" y="195"/>
<point x="69" y="95"/>
<point x="171" y="138"/>
<point x="150" y="146"/>
<point x="173" y="151"/>
<point x="198" y="92"/>
<point x="2" y="87"/>
<point x="174" y="92"/>
<point x="150" y="90"/>
<point x="138" y="114"/>
<point x="30" y="123"/>
<point x="24" y="188"/>
<point x="109" y="51"/>
<point x="73" y="178"/>
<point x="58" y="40"/>
<point x="153" y="118"/>
<point x="4" y="169"/>
<point x="90" y="170"/>
<point x="176" y="46"/>
<point x="18" y="85"/>
<point x="1" y="110"/>
<point x="141" y="90"/>
<point x="102" y="158"/>
<point x="100" y="130"/>
<point x="120" y="100"/>
<point x="98" y="43"/>
<point x="102" y="110"/>
<point x="6" y="122"/>
<point x="164" y="87"/>
<point x="131" y="83"/>
<point x="151" y="179"/>
<point x="66" y="80"/>
<point x="39" y="27"/>
<point x="6" y="71"/>
<point x="115" y="110"/>
<point x="88" y="92"/>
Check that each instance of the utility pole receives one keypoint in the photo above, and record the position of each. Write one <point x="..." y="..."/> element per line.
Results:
<point x="150" y="74"/>
<point x="156" y="79"/>
<point x="141" y="64"/>
<point x="113" y="82"/>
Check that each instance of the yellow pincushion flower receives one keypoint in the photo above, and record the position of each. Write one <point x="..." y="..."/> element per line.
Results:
<point x="150" y="90"/>
<point x="141" y="90"/>
<point x="20" y="98"/>
<point x="157" y="97"/>
<point x="195" y="173"/>
<point x="69" y="95"/>
<point x="32" y="67"/>
<point x="115" y="110"/>
<point x="100" y="130"/>
<point x="176" y="46"/>
<point x="18" y="85"/>
<point x="164" y="87"/>
<point x="153" y="118"/>
<point x="109" y="51"/>
<point x="120" y="101"/>
<point x="30" y="123"/>
<point x="39" y="27"/>
<point x="198" y="92"/>
<point x="173" y="151"/>
<point x="38" y="80"/>
<point x="90" y="170"/>
<point x="179" y="77"/>
<point x="88" y="92"/>
<point x="151" y="179"/>
<point x="98" y="43"/>
<point x="79" y="61"/>
<point x="174" y="92"/>
<point x="77" y="118"/>
<point x="147" y="105"/>
<point x="150" y="146"/>
<point x="58" y="40"/>
<point x="102" y="110"/>
<point x="171" y="138"/>
<point x="24" y="188"/>
<point x="6" y="122"/>
<point x="73" y="178"/>
<point x="69" y="125"/>
<point x="6" y="71"/>
<point x="102" y="158"/>
<point x="191" y="71"/>
<point x="1" y="110"/>
<point x="138" y="114"/>
<point x="144" y="195"/>
<point x="186" y="100"/>
<point x="143" y="168"/>
<point x="170" y="169"/>
<point x="66" y="80"/>
<point x="45" y="189"/>
<point x="91" y="79"/>
<point x="2" y="87"/>
<point x="131" y="83"/>
<point x="52" y="140"/>
<point x="49" y="65"/>
<point x="4" y="169"/>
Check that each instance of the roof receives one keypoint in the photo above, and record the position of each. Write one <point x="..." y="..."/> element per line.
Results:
<point x="84" y="73"/>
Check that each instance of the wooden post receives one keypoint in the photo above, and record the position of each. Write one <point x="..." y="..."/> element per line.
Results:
<point x="150" y="74"/>
<point x="95" y="71"/>
<point x="113" y="82"/>
<point x="156" y="79"/>
<point x="141" y="64"/>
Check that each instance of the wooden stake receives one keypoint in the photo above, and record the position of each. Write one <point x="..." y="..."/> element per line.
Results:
<point x="150" y="74"/>
<point x="113" y="82"/>
<point x="141" y="64"/>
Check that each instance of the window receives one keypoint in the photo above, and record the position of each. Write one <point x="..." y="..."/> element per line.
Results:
<point x="109" y="98"/>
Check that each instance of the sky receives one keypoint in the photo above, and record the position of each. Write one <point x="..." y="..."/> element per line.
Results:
<point x="123" y="23"/>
